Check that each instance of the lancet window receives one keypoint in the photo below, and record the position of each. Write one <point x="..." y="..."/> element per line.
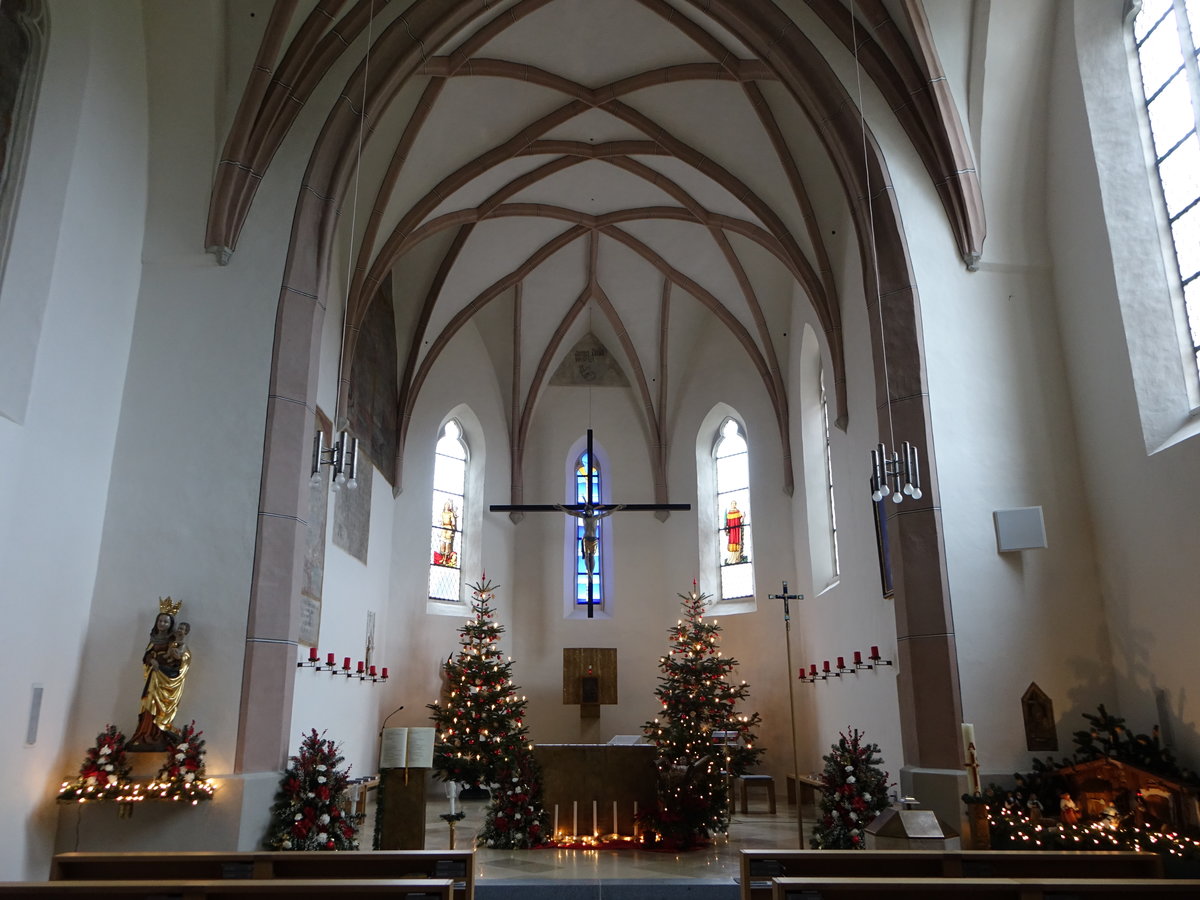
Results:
<point x="731" y="460"/>
<point x="588" y="470"/>
<point x="1166" y="34"/>
<point x="449" y="494"/>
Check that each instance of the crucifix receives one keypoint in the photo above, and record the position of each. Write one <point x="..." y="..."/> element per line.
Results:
<point x="787" y="639"/>
<point x="591" y="511"/>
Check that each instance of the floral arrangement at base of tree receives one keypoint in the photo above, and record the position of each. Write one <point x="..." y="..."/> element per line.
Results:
<point x="309" y="810"/>
<point x="182" y="776"/>
<point x="853" y="793"/>
<point x="516" y="818"/>
<point x="104" y="774"/>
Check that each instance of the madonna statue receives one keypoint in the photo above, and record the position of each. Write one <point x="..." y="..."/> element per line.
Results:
<point x="164" y="666"/>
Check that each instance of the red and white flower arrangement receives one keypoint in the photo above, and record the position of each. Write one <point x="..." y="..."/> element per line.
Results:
<point x="309" y="811"/>
<point x="104" y="774"/>
<point x="182" y="776"/>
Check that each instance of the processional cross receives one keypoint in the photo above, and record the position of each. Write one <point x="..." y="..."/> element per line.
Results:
<point x="590" y="512"/>
<point x="787" y="638"/>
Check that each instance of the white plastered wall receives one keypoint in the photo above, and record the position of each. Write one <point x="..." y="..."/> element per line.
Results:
<point x="89" y="162"/>
<point x="1122" y="362"/>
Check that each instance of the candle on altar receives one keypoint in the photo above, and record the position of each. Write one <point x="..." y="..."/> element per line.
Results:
<point x="595" y="828"/>
<point x="555" y="831"/>
<point x="635" y="819"/>
<point x="574" y="818"/>
<point x="858" y="657"/>
<point x="615" y="831"/>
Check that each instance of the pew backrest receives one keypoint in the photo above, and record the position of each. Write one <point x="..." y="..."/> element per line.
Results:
<point x="985" y="888"/>
<point x="234" y="889"/>
<point x="758" y="867"/>
<point x="457" y="865"/>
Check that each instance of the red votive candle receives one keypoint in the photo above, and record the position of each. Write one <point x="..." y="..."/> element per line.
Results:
<point x="841" y="662"/>
<point x="825" y="667"/>
<point x="346" y="663"/>
<point x="874" y="653"/>
<point x="360" y="667"/>
<point x="812" y="669"/>
<point x="312" y="654"/>
<point x="857" y="657"/>
<point x="329" y="660"/>
<point x="372" y="671"/>
<point x="385" y="671"/>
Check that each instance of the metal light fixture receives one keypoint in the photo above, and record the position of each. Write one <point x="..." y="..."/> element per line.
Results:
<point x="895" y="475"/>
<point x="342" y="456"/>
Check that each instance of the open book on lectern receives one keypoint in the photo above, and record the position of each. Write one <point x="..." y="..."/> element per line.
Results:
<point x="406" y="748"/>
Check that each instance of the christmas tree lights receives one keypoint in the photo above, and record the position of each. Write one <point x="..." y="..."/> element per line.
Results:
<point x="702" y="741"/>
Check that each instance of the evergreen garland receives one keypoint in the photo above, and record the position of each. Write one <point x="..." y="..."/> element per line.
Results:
<point x="309" y="811"/>
<point x="479" y="728"/>
<point x="853" y="793"/>
<point x="693" y="762"/>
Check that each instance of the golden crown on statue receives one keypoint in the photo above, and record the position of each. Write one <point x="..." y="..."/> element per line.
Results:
<point x="169" y="606"/>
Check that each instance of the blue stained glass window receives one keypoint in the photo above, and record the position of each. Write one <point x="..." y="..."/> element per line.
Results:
<point x="587" y="489"/>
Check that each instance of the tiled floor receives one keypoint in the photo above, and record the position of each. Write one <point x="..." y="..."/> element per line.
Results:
<point x="716" y="863"/>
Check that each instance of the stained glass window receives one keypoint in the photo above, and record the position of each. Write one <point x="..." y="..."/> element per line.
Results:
<point x="587" y="490"/>
<point x="449" y="486"/>
<point x="1166" y="33"/>
<point x="734" y="547"/>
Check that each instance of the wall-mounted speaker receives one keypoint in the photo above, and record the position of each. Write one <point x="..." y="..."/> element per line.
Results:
<point x="1019" y="529"/>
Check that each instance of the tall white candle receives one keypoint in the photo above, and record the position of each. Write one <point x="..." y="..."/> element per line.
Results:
<point x="615" y="829"/>
<point x="574" y="818"/>
<point x="595" y="830"/>
<point x="635" y="821"/>
<point x="971" y="759"/>
<point x="453" y="804"/>
<point x="555" y="832"/>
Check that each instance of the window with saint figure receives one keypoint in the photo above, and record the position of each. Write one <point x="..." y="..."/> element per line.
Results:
<point x="732" y="466"/>
<point x="449" y="488"/>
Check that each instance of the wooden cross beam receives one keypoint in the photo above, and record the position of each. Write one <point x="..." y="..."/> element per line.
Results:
<point x="590" y="512"/>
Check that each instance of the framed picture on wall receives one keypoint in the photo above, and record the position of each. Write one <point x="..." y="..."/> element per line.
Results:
<point x="882" y="544"/>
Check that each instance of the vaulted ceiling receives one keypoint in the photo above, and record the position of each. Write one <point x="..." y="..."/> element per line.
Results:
<point x="640" y="169"/>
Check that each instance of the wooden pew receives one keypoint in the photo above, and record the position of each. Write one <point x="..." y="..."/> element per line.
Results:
<point x="758" y="867"/>
<point x="212" y="866"/>
<point x="986" y="888"/>
<point x="234" y="889"/>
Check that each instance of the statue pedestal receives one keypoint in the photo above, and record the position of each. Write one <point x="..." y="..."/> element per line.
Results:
<point x="402" y="809"/>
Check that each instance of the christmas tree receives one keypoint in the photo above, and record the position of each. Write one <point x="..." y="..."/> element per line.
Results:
<point x="853" y="793"/>
<point x="309" y="810"/>
<point x="479" y="728"/>
<point x="702" y="741"/>
<point x="516" y="818"/>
